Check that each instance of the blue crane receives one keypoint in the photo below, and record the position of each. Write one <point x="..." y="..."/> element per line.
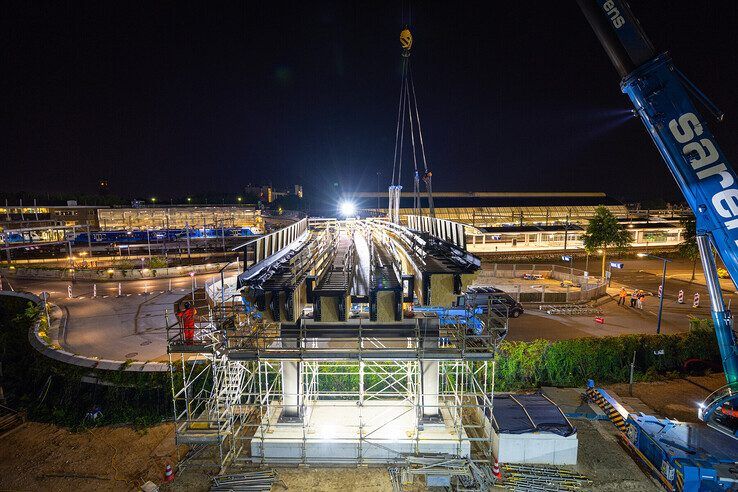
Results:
<point x="663" y="99"/>
<point x="683" y="456"/>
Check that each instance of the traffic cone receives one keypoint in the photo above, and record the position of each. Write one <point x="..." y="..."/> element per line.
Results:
<point x="496" y="471"/>
<point x="168" y="473"/>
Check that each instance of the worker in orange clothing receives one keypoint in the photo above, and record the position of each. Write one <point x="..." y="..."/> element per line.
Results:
<point x="729" y="411"/>
<point x="187" y="322"/>
<point x="623" y="295"/>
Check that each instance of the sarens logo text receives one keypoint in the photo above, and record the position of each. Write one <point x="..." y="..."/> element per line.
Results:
<point x="703" y="156"/>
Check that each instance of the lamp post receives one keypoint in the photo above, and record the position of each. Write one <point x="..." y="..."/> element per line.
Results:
<point x="148" y="243"/>
<point x="663" y="286"/>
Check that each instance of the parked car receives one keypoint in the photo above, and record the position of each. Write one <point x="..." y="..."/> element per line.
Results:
<point x="499" y="301"/>
<point x="532" y="276"/>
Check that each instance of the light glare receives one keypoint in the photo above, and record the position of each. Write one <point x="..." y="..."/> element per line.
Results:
<point x="348" y="209"/>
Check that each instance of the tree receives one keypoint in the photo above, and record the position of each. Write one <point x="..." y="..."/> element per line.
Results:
<point x="603" y="231"/>
<point x="688" y="249"/>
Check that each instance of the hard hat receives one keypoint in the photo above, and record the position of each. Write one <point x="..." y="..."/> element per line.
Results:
<point x="406" y="39"/>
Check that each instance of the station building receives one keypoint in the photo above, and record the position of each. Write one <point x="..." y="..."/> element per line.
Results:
<point x="534" y="221"/>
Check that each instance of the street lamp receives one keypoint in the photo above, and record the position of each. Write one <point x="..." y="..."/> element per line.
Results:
<point x="189" y="199"/>
<point x="663" y="286"/>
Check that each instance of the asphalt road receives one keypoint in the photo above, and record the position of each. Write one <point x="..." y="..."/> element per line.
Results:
<point x="110" y="327"/>
<point x="131" y="326"/>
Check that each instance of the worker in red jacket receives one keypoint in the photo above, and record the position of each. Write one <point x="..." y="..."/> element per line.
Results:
<point x="729" y="411"/>
<point x="187" y="320"/>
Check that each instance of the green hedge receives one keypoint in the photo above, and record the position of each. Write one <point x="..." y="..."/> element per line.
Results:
<point x="606" y="360"/>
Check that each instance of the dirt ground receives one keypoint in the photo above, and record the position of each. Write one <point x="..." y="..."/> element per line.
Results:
<point x="46" y="457"/>
<point x="601" y="458"/>
<point x="604" y="461"/>
<point x="676" y="399"/>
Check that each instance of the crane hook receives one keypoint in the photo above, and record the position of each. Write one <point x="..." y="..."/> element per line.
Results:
<point x="406" y="39"/>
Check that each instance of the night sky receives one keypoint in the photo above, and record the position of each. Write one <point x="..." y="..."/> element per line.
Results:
<point x="171" y="98"/>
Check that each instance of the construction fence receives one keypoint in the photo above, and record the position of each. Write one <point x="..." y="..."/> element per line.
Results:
<point x="542" y="283"/>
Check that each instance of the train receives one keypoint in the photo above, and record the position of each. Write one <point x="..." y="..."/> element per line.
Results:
<point x="9" y="237"/>
<point x="156" y="235"/>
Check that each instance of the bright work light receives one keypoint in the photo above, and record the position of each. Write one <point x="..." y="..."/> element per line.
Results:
<point x="347" y="209"/>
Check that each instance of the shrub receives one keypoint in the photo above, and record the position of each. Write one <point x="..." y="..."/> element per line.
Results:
<point x="158" y="262"/>
<point x="606" y="360"/>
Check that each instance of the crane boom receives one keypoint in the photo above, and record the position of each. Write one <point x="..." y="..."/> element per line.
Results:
<point x="660" y="94"/>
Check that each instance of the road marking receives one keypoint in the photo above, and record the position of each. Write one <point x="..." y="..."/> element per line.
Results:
<point x="104" y="297"/>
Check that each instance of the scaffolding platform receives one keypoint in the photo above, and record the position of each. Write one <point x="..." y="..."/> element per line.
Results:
<point x="378" y="432"/>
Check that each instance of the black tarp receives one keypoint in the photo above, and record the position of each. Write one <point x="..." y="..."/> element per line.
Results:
<point x="520" y="414"/>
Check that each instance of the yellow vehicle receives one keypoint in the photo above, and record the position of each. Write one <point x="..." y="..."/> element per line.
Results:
<point x="569" y="283"/>
<point x="723" y="273"/>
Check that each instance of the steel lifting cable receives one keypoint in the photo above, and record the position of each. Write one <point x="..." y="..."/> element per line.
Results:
<point x="427" y="176"/>
<point x="400" y="131"/>
<point x="417" y="118"/>
<point x="416" y="184"/>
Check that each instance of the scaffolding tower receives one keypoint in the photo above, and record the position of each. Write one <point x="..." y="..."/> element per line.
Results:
<point x="252" y="393"/>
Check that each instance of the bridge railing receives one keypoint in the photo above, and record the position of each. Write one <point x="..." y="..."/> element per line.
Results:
<point x="267" y="340"/>
<point x="447" y="230"/>
<point x="271" y="244"/>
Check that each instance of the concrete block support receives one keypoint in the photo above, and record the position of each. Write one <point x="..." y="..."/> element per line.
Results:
<point x="292" y="393"/>
<point x="429" y="370"/>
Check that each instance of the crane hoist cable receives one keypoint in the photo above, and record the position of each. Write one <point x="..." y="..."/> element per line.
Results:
<point x="408" y="107"/>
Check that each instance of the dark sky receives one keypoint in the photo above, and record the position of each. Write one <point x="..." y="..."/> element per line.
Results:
<point x="170" y="98"/>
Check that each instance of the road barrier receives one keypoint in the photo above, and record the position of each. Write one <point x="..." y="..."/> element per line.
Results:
<point x="680" y="297"/>
<point x="111" y="273"/>
<point x="696" y="302"/>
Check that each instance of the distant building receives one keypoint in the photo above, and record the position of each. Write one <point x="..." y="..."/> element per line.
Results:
<point x="298" y="191"/>
<point x="177" y="217"/>
<point x="264" y="193"/>
<point x="16" y="216"/>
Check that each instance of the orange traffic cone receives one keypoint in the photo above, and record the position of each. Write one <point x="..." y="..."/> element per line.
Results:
<point x="168" y="473"/>
<point x="496" y="471"/>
